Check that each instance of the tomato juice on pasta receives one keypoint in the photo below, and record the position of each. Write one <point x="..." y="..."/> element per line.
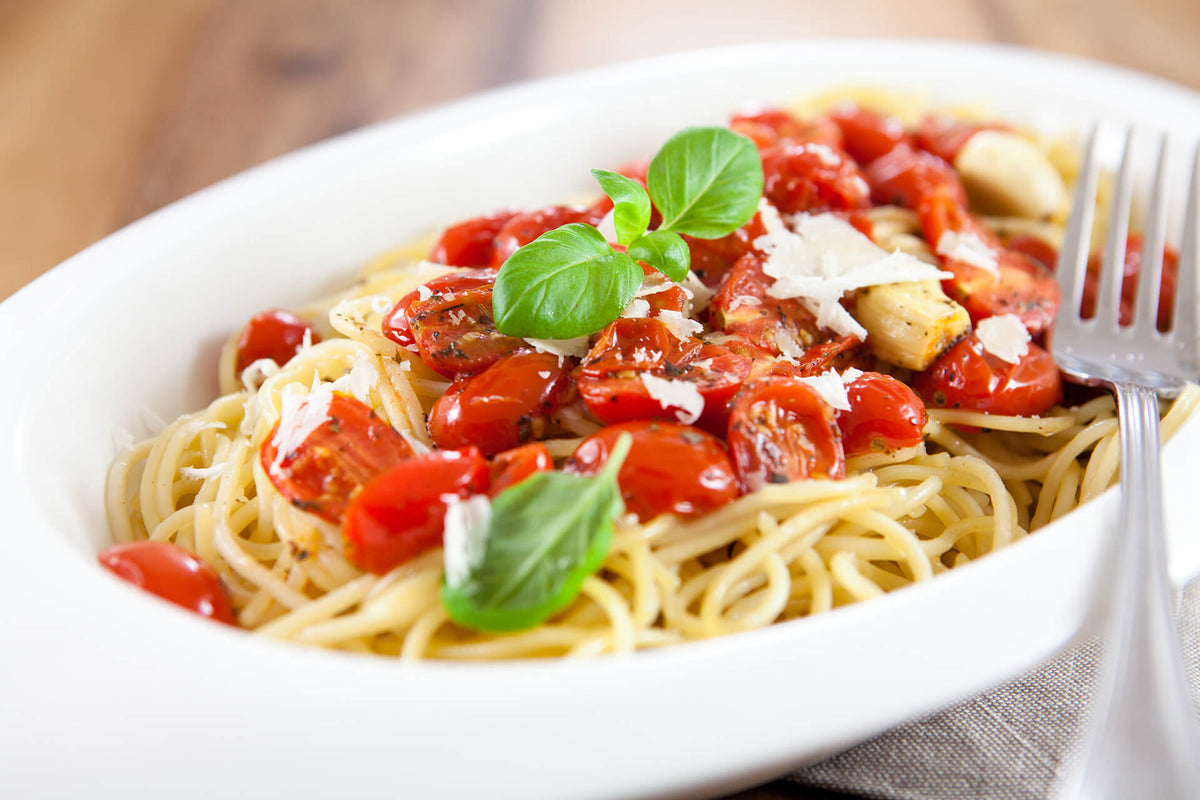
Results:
<point x="783" y="366"/>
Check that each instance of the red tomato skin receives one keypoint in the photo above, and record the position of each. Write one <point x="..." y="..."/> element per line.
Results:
<point x="1033" y="247"/>
<point x="456" y="332"/>
<point x="274" y="334"/>
<point x="502" y="407"/>
<point x="399" y="514"/>
<point x="396" y="325"/>
<point x="868" y="134"/>
<point x="812" y="177"/>
<point x="741" y="306"/>
<point x="351" y="447"/>
<point x="885" y="415"/>
<point x="905" y="175"/>
<point x="526" y="226"/>
<point x="513" y="466"/>
<point x="781" y="430"/>
<point x="945" y="136"/>
<point x="469" y="243"/>
<point x="1024" y="288"/>
<point x="968" y="377"/>
<point x="769" y="127"/>
<point x="670" y="469"/>
<point x="1133" y="266"/>
<point x="712" y="258"/>
<point x="172" y="573"/>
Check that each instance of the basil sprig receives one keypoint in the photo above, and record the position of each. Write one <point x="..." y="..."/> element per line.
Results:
<point x="705" y="182"/>
<point x="546" y="535"/>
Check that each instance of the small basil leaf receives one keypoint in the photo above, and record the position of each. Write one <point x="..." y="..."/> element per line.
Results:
<point x="706" y="182"/>
<point x="631" y="204"/>
<point x="666" y="251"/>
<point x="547" y="534"/>
<point x="566" y="283"/>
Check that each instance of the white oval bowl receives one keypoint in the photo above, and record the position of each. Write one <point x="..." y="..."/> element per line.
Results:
<point x="108" y="691"/>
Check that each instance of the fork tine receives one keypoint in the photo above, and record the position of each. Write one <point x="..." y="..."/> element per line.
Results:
<point x="1185" y="327"/>
<point x="1112" y="266"/>
<point x="1150" y="277"/>
<point x="1072" y="259"/>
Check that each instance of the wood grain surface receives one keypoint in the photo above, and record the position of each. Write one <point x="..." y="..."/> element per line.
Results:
<point x="110" y="109"/>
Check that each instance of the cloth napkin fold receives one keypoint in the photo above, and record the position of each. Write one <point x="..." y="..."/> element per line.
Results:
<point x="1011" y="743"/>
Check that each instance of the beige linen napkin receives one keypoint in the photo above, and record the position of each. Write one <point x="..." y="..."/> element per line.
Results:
<point x="1011" y="743"/>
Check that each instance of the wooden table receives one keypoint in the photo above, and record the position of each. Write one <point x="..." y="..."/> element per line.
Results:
<point x="110" y="109"/>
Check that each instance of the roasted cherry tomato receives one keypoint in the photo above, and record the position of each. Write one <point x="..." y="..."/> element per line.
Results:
<point x="396" y="324"/>
<point x="742" y="306"/>
<point x="400" y="513"/>
<point x="968" y="377"/>
<point x="712" y="258"/>
<point x="670" y="469"/>
<point x="275" y="334"/>
<point x="868" y="134"/>
<point x="1133" y="265"/>
<point x="470" y="243"/>
<point x="782" y="430"/>
<point x="610" y="379"/>
<point x="884" y="415"/>
<point x="905" y="175"/>
<point x="513" y="466"/>
<point x="945" y="136"/>
<point x="813" y="177"/>
<point x="172" y="573"/>
<point x="771" y="126"/>
<point x="526" y="226"/>
<point x="1037" y="249"/>
<point x="504" y="406"/>
<point x="456" y="332"/>
<point x="321" y="473"/>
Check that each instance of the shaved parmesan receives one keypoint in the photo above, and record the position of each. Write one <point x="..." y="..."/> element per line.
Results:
<point x="654" y="283"/>
<point x="700" y="294"/>
<point x="299" y="416"/>
<point x="969" y="249"/>
<point x="424" y="292"/>
<point x="681" y="395"/>
<point x="825" y="257"/>
<point x="824" y="154"/>
<point x="683" y="327"/>
<point x="577" y="347"/>
<point x="637" y="308"/>
<point x="464" y="539"/>
<point x="359" y="380"/>
<point x="832" y="388"/>
<point x="1004" y="336"/>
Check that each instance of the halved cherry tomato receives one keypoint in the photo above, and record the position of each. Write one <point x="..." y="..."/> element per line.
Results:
<point x="1133" y="266"/>
<point x="610" y="377"/>
<point x="172" y="573"/>
<point x="505" y="405"/>
<point x="275" y="334"/>
<point x="456" y="332"/>
<point x="470" y="243"/>
<point x="513" y="466"/>
<point x="399" y="514"/>
<point x="905" y="175"/>
<point x="813" y="177"/>
<point x="349" y="448"/>
<point x="781" y="430"/>
<point x="396" y="324"/>
<point x="869" y="134"/>
<point x="670" y="469"/>
<point x="712" y="258"/>
<point x="968" y="377"/>
<point x="526" y="226"/>
<point x="1038" y="249"/>
<point x="945" y="136"/>
<point x="742" y="306"/>
<point x="771" y="126"/>
<point x="884" y="415"/>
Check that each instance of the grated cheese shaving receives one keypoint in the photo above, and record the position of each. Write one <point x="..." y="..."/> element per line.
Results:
<point x="681" y="395"/>
<point x="969" y="249"/>
<point x="682" y="327"/>
<point x="465" y="535"/>
<point x="577" y="347"/>
<point x="1004" y="336"/>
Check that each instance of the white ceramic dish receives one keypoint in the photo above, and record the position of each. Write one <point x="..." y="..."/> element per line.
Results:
<point x="106" y="692"/>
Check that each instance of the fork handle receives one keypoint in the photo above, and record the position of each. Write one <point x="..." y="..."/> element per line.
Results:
<point x="1143" y="739"/>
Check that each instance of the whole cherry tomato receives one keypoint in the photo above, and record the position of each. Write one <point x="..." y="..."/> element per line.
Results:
<point x="469" y="243"/>
<point x="513" y="466"/>
<point x="742" y="306"/>
<point x="456" y="332"/>
<point x="1133" y="266"/>
<point x="868" y="134"/>
<point x="504" y="406"/>
<point x="275" y="334"/>
<point x="782" y="430"/>
<point x="813" y="177"/>
<point x="172" y="573"/>
<point x="349" y="448"/>
<point x="526" y="226"/>
<point x="968" y="377"/>
<point x="396" y="324"/>
<point x="670" y="469"/>
<point x="399" y="514"/>
<point x="772" y="126"/>
<point x="884" y="415"/>
<point x="945" y="136"/>
<point x="904" y="175"/>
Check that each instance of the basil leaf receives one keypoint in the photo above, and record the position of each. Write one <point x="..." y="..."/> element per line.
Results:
<point x="546" y="536"/>
<point x="631" y="204"/>
<point x="566" y="283"/>
<point x="666" y="251"/>
<point x="706" y="182"/>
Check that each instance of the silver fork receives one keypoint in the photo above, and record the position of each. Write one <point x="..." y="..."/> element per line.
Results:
<point x="1143" y="736"/>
